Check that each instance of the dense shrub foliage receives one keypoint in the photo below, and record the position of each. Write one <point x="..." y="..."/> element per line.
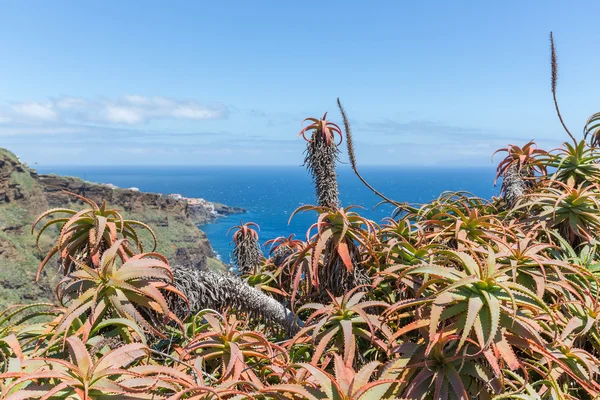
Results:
<point x="459" y="298"/>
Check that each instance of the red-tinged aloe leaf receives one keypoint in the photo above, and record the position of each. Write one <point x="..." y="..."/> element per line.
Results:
<point x="475" y="305"/>
<point x="77" y="308"/>
<point x="79" y="354"/>
<point x="49" y="212"/>
<point x="83" y="199"/>
<point x="344" y="254"/>
<point x="478" y="327"/>
<point x="128" y="273"/>
<point x="111" y="233"/>
<point x="456" y="382"/>
<point x="131" y="386"/>
<point x="343" y="373"/>
<point x="152" y="256"/>
<point x="146" y="227"/>
<point x="163" y="371"/>
<point x="349" y="343"/>
<point x="320" y="246"/>
<point x="406" y="304"/>
<point x="122" y="356"/>
<point x="58" y="388"/>
<point x="288" y="388"/>
<point x="24" y="394"/>
<point x="320" y="309"/>
<point x="573" y="324"/>
<point x="77" y="218"/>
<point x="319" y="325"/>
<point x="235" y="363"/>
<point x="52" y="252"/>
<point x="99" y="232"/>
<point x="494" y="308"/>
<point x="108" y="257"/>
<point x="91" y="272"/>
<point x="45" y="374"/>
<point x="13" y="343"/>
<point x="136" y="262"/>
<point x="326" y="382"/>
<point x="441" y="385"/>
<point x="438" y="306"/>
<point x="124" y="308"/>
<point x="368" y="336"/>
<point x="436" y="270"/>
<point x="418" y="324"/>
<point x="322" y="345"/>
<point x="361" y="379"/>
<point x="46" y="226"/>
<point x="172" y="289"/>
<point x="506" y="352"/>
<point x="415" y="389"/>
<point x="153" y="293"/>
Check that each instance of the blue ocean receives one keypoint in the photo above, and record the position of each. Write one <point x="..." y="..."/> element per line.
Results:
<point x="271" y="194"/>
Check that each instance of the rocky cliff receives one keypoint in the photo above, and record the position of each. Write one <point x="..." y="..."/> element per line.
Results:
<point x="24" y="194"/>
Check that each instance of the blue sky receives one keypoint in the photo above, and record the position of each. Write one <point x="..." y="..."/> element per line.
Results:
<point x="229" y="82"/>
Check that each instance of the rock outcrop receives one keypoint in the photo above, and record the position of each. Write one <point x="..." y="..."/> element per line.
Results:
<point x="24" y="195"/>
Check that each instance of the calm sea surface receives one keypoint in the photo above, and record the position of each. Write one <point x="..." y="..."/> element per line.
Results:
<point x="271" y="194"/>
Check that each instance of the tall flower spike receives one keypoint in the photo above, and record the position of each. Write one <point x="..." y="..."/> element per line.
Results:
<point x="554" y="68"/>
<point x="320" y="158"/>
<point x="352" y="157"/>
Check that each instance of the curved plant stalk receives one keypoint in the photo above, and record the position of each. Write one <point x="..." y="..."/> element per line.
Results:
<point x="554" y="68"/>
<point x="351" y="155"/>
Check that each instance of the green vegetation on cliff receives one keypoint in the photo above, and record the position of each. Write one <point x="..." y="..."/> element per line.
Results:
<point x="24" y="194"/>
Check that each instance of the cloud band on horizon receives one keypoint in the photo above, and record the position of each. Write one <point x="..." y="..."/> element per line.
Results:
<point x="125" y="110"/>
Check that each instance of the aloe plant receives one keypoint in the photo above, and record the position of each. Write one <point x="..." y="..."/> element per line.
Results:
<point x="81" y="377"/>
<point x="134" y="290"/>
<point x="338" y="234"/>
<point x="341" y="324"/>
<point x="85" y="234"/>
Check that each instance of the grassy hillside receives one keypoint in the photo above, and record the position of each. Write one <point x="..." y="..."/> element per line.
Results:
<point x="24" y="195"/>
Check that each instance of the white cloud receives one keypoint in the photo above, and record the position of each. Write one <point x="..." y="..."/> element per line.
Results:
<point x="36" y="111"/>
<point x="69" y="103"/>
<point x="125" y="115"/>
<point x="128" y="110"/>
<point x="139" y="109"/>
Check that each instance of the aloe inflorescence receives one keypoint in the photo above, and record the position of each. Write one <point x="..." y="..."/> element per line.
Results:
<point x="206" y="289"/>
<point x="320" y="157"/>
<point x="246" y="254"/>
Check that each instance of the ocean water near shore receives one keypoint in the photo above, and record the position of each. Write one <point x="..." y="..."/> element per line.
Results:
<point x="271" y="194"/>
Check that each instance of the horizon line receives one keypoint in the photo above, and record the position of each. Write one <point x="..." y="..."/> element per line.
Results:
<point x="344" y="166"/>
